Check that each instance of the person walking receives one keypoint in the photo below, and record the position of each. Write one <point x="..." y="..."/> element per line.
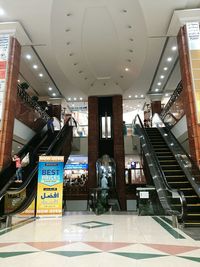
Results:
<point x="18" y="164"/>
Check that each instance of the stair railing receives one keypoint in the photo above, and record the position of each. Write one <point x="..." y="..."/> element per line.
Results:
<point x="186" y="163"/>
<point x="165" y="193"/>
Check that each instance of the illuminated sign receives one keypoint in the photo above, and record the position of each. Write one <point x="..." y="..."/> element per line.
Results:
<point x="76" y="166"/>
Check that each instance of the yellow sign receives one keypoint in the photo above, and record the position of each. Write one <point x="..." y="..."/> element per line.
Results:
<point x="50" y="186"/>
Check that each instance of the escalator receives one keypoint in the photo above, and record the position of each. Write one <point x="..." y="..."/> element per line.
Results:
<point x="176" y="173"/>
<point x="58" y="143"/>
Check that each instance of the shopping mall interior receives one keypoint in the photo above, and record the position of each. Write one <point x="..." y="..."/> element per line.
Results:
<point x="99" y="133"/>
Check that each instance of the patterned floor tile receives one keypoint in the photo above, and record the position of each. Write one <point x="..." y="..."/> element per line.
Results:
<point x="171" y="249"/>
<point x="73" y="253"/>
<point x="92" y="224"/>
<point x="106" y="246"/>
<point x="76" y="246"/>
<point x="191" y="258"/>
<point x="13" y="254"/>
<point x="138" y="256"/>
<point x="46" y="245"/>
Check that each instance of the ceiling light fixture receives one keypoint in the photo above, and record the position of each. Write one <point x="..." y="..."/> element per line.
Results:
<point x="81" y="98"/>
<point x="68" y="43"/>
<point x="166" y="94"/>
<point x="41" y="75"/>
<point x="169" y="59"/>
<point x="35" y="66"/>
<point x="69" y="98"/>
<point x="131" y="39"/>
<point x="2" y="12"/>
<point x="162" y="76"/>
<point x="50" y="88"/>
<point x="74" y="98"/>
<point x="67" y="30"/>
<point x="126" y="69"/>
<point x="174" y="48"/>
<point x="76" y="63"/>
<point x="54" y="94"/>
<point x="142" y="96"/>
<point x="159" y="84"/>
<point x="165" y="68"/>
<point x="28" y="56"/>
<point x="130" y="50"/>
<point x="136" y="96"/>
<point x="124" y="10"/>
<point x="156" y="90"/>
<point x="129" y="96"/>
<point x="18" y="81"/>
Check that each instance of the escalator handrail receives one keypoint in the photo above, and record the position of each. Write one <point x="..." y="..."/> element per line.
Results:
<point x="32" y="185"/>
<point x="162" y="175"/>
<point x="195" y="184"/>
<point x="25" y="184"/>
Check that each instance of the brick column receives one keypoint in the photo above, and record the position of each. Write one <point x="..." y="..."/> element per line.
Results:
<point x="93" y="140"/>
<point x="6" y="132"/>
<point x="188" y="96"/>
<point x="119" y="149"/>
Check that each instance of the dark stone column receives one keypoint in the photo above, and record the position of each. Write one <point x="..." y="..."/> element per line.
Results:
<point x="93" y="140"/>
<point x="119" y="149"/>
<point x="6" y="134"/>
<point x="156" y="107"/>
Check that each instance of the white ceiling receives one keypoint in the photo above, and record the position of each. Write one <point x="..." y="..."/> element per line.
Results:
<point x="83" y="46"/>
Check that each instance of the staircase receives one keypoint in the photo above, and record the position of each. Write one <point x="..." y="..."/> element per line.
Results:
<point x="175" y="178"/>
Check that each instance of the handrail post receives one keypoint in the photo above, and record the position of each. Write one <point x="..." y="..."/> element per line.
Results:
<point x="8" y="221"/>
<point x="174" y="221"/>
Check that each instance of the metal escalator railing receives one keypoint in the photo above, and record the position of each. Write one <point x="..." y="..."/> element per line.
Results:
<point x="31" y="183"/>
<point x="165" y="193"/>
<point x="188" y="166"/>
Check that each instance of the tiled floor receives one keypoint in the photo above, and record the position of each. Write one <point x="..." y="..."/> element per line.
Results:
<point x="107" y="240"/>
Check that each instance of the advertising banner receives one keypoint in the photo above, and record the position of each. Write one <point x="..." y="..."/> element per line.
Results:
<point x="50" y="186"/>
<point x="4" y="54"/>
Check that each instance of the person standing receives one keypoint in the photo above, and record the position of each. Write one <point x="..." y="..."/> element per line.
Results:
<point x="18" y="164"/>
<point x="50" y="126"/>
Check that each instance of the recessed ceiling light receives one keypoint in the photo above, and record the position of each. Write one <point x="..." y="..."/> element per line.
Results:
<point x="19" y="146"/>
<point x="174" y="48"/>
<point x="169" y="59"/>
<point x="130" y="50"/>
<point x="50" y="88"/>
<point x="136" y="96"/>
<point x="72" y="105"/>
<point x="18" y="81"/>
<point x="129" y="26"/>
<point x="81" y="98"/>
<point x="138" y="106"/>
<point x="28" y="56"/>
<point x="41" y="74"/>
<point x="159" y="84"/>
<point x="165" y="68"/>
<point x="156" y="90"/>
<point x="69" y="98"/>
<point x="129" y="96"/>
<point x="35" y="66"/>
<point x="142" y="96"/>
<point x="162" y="76"/>
<point x="74" y="98"/>
<point x="54" y="94"/>
<point x="166" y="94"/>
<point x="2" y="12"/>
<point x="124" y="10"/>
<point x="126" y="69"/>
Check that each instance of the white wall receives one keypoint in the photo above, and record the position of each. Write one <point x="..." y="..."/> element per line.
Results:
<point x="22" y="131"/>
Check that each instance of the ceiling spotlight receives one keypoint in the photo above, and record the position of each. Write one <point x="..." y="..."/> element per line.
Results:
<point x="74" y="98"/>
<point x="174" y="48"/>
<point x="72" y="105"/>
<point x="54" y="94"/>
<point x="41" y="75"/>
<point x="18" y="81"/>
<point x="159" y="84"/>
<point x="156" y="90"/>
<point x="81" y="98"/>
<point x="142" y="96"/>
<point x="2" y="12"/>
<point x="136" y="96"/>
<point x="28" y="56"/>
<point x="166" y="94"/>
<point x="162" y="76"/>
<point x="169" y="59"/>
<point x="138" y="106"/>
<point x="165" y="68"/>
<point x="129" y="96"/>
<point x="69" y="99"/>
<point x="35" y="66"/>
<point x="50" y="88"/>
<point x="126" y="69"/>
